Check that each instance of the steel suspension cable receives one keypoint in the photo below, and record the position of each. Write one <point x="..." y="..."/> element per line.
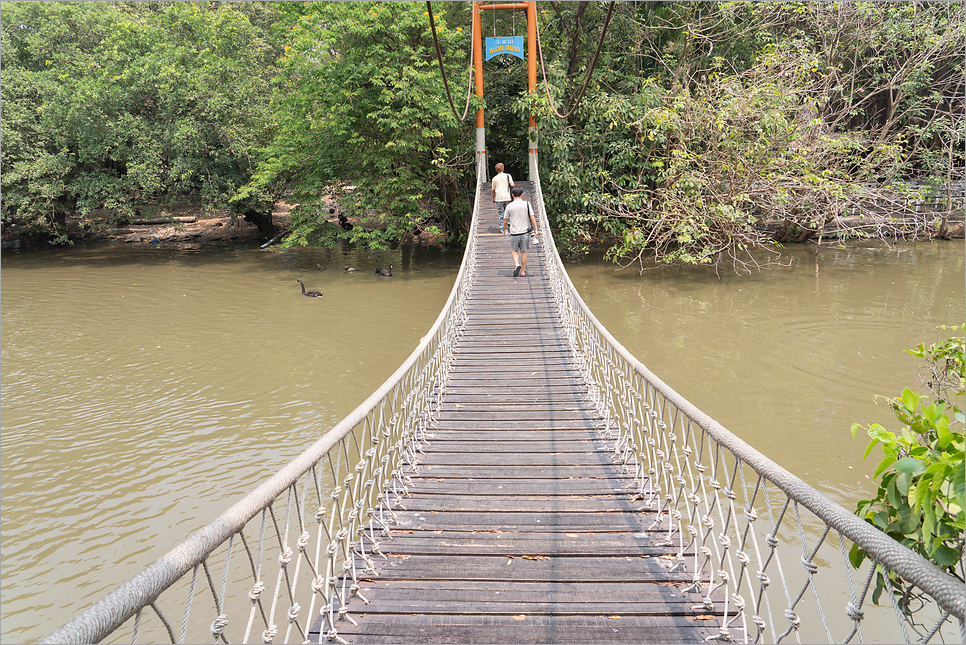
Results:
<point x="590" y="71"/>
<point x="442" y="68"/>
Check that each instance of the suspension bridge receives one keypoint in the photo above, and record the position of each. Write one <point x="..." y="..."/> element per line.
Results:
<point x="522" y="478"/>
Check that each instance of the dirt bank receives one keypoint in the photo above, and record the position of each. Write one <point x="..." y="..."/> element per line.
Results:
<point x="206" y="228"/>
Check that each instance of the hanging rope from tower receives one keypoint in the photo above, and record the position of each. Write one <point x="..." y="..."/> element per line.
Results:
<point x="590" y="71"/>
<point x="442" y="68"/>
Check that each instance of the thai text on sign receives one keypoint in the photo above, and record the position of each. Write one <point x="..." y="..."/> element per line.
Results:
<point x="512" y="45"/>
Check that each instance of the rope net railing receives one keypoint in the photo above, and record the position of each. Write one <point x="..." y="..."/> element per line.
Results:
<point x="767" y="552"/>
<point x="293" y="551"/>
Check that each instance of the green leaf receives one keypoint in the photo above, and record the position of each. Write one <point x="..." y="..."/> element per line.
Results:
<point x="910" y="400"/>
<point x="885" y="463"/>
<point x="945" y="556"/>
<point x="909" y="465"/>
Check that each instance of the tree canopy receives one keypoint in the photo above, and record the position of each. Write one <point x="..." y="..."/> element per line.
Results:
<point x="708" y="129"/>
<point x="360" y="104"/>
<point x="117" y="105"/>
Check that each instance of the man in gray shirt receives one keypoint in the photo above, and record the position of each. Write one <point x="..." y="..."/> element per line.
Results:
<point x="519" y="219"/>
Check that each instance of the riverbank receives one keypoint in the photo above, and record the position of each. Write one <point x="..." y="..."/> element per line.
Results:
<point x="192" y="225"/>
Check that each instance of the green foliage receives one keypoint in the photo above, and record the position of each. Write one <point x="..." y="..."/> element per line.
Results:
<point x="704" y="124"/>
<point x="113" y="105"/>
<point x="711" y="121"/>
<point x="922" y="477"/>
<point x="361" y="105"/>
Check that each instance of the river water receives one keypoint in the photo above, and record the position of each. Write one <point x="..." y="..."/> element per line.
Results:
<point x="144" y="390"/>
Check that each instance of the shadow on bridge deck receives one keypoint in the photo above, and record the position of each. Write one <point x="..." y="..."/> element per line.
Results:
<point x="520" y="528"/>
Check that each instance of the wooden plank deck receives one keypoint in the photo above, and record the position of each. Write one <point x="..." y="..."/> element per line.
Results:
<point x="520" y="529"/>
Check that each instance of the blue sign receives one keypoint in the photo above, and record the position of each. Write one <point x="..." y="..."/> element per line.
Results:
<point x="508" y="45"/>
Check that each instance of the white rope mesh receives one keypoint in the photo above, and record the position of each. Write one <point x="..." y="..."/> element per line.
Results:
<point x="692" y="471"/>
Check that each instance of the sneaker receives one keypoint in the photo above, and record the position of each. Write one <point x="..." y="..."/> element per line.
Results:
<point x="516" y="272"/>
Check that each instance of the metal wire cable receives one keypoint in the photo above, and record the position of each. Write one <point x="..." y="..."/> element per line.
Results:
<point x="442" y="68"/>
<point x="590" y="70"/>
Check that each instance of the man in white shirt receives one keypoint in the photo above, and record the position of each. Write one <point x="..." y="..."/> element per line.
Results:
<point x="502" y="184"/>
<point x="519" y="219"/>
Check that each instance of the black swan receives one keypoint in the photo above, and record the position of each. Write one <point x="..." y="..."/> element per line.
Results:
<point x="311" y="293"/>
<point x="385" y="272"/>
<point x="348" y="269"/>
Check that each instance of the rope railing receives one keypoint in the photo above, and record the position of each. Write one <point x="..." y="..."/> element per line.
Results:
<point x="741" y="525"/>
<point x="291" y="552"/>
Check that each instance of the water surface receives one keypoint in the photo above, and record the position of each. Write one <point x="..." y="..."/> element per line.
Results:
<point x="145" y="390"/>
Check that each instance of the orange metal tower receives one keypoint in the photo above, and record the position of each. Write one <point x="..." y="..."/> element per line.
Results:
<point x="531" y="8"/>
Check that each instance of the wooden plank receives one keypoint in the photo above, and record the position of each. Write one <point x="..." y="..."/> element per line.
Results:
<point x="535" y="442"/>
<point x="496" y="605"/>
<point x="485" y="417"/>
<point x="456" y="543"/>
<point x="471" y="473"/>
<point x="520" y="424"/>
<point x="637" y="570"/>
<point x="510" y="459"/>
<point x="527" y="629"/>
<point x="520" y="504"/>
<point x="493" y="396"/>
<point x="500" y="484"/>
<point x="563" y="522"/>
<point x="508" y="404"/>
<point x="545" y="487"/>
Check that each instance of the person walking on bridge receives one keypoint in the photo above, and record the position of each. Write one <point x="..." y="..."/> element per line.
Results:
<point x="520" y="221"/>
<point x="501" y="186"/>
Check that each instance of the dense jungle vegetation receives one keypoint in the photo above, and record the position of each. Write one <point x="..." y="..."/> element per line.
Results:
<point x="707" y="130"/>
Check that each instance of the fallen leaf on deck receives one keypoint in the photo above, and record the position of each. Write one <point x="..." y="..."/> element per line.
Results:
<point x="668" y="556"/>
<point x="614" y="617"/>
<point x="535" y="557"/>
<point x="573" y="535"/>
<point x="401" y="557"/>
<point x="704" y="617"/>
<point x="520" y="617"/>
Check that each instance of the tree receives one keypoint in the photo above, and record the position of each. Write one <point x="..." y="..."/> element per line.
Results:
<point x="115" y="105"/>
<point x="714" y="128"/>
<point x="364" y="118"/>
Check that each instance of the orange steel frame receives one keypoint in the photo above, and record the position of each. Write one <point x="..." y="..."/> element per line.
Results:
<point x="531" y="8"/>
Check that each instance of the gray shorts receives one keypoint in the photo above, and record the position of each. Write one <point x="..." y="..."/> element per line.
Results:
<point x="520" y="242"/>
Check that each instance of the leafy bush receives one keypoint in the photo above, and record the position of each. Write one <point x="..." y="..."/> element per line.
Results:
<point x="920" y="499"/>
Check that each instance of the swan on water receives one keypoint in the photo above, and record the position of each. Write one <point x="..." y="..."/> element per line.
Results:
<point x="311" y="293"/>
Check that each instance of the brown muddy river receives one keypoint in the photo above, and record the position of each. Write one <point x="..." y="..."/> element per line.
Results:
<point x="145" y="390"/>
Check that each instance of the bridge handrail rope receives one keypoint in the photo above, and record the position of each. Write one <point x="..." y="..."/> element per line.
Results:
<point x="442" y="68"/>
<point x="680" y="455"/>
<point x="351" y="506"/>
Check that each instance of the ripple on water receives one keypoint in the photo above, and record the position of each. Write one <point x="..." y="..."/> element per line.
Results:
<point x="144" y="393"/>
